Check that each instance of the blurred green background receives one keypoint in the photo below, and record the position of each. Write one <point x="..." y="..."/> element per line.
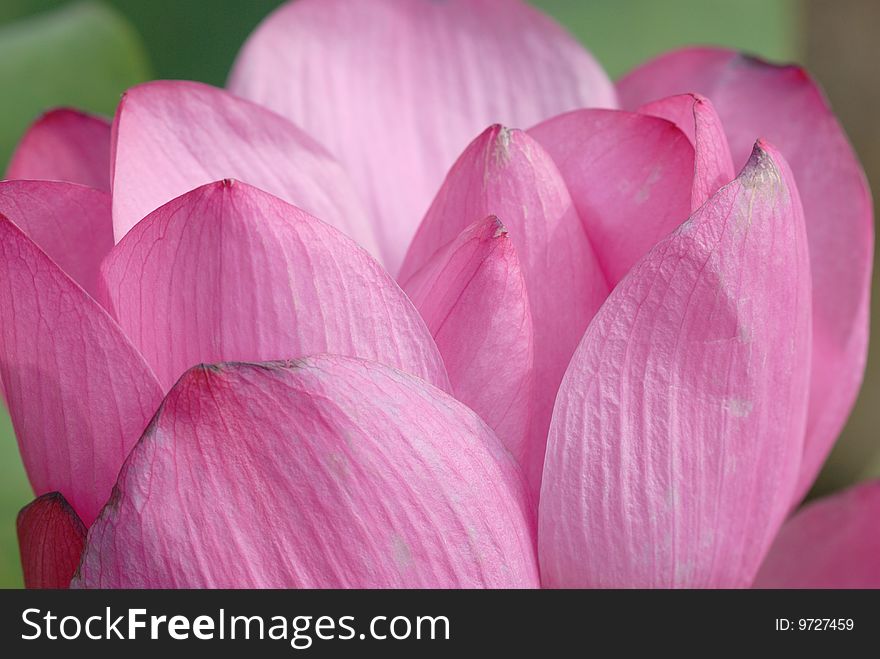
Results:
<point x="57" y="52"/>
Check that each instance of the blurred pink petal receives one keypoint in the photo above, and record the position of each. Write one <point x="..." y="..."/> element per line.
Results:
<point x="630" y="177"/>
<point x="78" y="393"/>
<point x="472" y="295"/>
<point x="831" y="543"/>
<point x="755" y="98"/>
<point x="71" y="223"/>
<point x="326" y="472"/>
<point x="171" y="137"/>
<point x="65" y="145"/>
<point x="695" y="116"/>
<point x="397" y="88"/>
<point x="50" y="539"/>
<point x="677" y="433"/>
<point x="507" y="174"/>
<point x="229" y="272"/>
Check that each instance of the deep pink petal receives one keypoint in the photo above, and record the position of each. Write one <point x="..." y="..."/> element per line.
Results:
<point x="677" y="433"/>
<point x="229" y="272"/>
<point x="630" y="177"/>
<point x="71" y="223"/>
<point x="78" y="393"/>
<point x="755" y="98"/>
<point x="397" y="88"/>
<point x="696" y="117"/>
<point x="50" y="538"/>
<point x="831" y="543"/>
<point x="65" y="145"/>
<point x="472" y="295"/>
<point x="326" y="472"/>
<point x="172" y="137"/>
<point x="507" y="174"/>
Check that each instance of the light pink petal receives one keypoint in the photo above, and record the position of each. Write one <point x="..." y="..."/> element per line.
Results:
<point x="397" y="88"/>
<point x="50" y="538"/>
<point x="755" y="98"/>
<point x="65" y="145"/>
<point x="507" y="174"/>
<point x="696" y="118"/>
<point x="830" y="543"/>
<point x="678" y="430"/>
<point x="630" y="177"/>
<point x="78" y="393"/>
<point x="472" y="295"/>
<point x="328" y="472"/>
<point x="229" y="272"/>
<point x="71" y="223"/>
<point x="172" y="137"/>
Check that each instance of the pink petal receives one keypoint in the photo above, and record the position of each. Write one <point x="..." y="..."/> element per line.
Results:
<point x="329" y="472"/>
<point x="630" y="178"/>
<point x="65" y="145"/>
<point x="397" y="88"/>
<point x="51" y="538"/>
<point x="695" y="116"/>
<point x="78" y="393"/>
<point x="472" y="295"/>
<point x="755" y="98"/>
<point x="678" y="429"/>
<point x="229" y="272"/>
<point x="506" y="173"/>
<point x="71" y="223"/>
<point x="172" y="137"/>
<point x="831" y="543"/>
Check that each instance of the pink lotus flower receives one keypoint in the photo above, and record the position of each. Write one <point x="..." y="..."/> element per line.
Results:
<point x="609" y="361"/>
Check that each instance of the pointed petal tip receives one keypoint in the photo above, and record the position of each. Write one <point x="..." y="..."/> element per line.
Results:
<point x="751" y="59"/>
<point x="765" y="164"/>
<point x="60" y="354"/>
<point x="261" y="268"/>
<point x="497" y="227"/>
<point x="172" y="136"/>
<point x="767" y="170"/>
<point x="216" y="370"/>
<point x="49" y="498"/>
<point x="530" y="69"/>
<point x="783" y="102"/>
<point x="61" y="111"/>
<point x="64" y="144"/>
<point x="382" y="424"/>
<point x="491" y="227"/>
<point x="767" y="367"/>
<point x="51" y="537"/>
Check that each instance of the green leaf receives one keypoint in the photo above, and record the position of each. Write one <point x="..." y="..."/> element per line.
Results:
<point x="84" y="55"/>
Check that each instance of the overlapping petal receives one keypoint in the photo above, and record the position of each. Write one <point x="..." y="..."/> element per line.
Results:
<point x="397" y="88"/>
<point x="65" y="145"/>
<point x="630" y="177"/>
<point x="830" y="543"/>
<point x="696" y="118"/>
<point x="507" y="174"/>
<point x="173" y="136"/>
<point x="472" y="295"/>
<point x="71" y="223"/>
<point x="229" y="272"/>
<point x="781" y="103"/>
<point x="50" y="538"/>
<point x="678" y="430"/>
<point x="78" y="392"/>
<point x="326" y="472"/>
